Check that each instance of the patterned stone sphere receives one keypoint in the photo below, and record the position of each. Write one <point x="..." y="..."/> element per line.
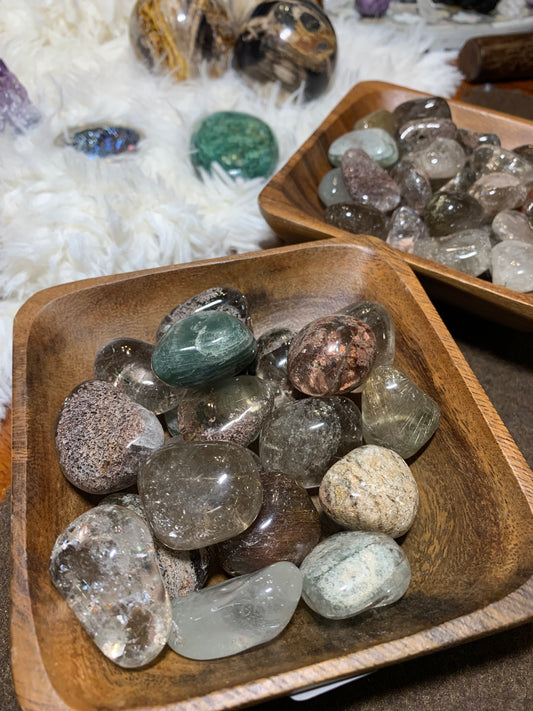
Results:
<point x="179" y="35"/>
<point x="290" y="42"/>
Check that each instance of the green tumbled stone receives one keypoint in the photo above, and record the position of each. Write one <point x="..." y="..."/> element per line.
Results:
<point x="202" y="348"/>
<point x="242" y="144"/>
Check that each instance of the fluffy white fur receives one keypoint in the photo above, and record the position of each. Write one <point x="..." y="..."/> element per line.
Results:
<point x="64" y="217"/>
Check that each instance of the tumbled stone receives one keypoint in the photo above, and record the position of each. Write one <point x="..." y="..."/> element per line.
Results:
<point x="406" y="227"/>
<point x="237" y="614"/>
<point x="371" y="489"/>
<point x="292" y="43"/>
<point x="104" y="565"/>
<point x="216" y="298"/>
<point x="380" y="118"/>
<point x="367" y="182"/>
<point x="469" y="251"/>
<point x="271" y="363"/>
<point x="357" y="218"/>
<point x="286" y="528"/>
<point x="498" y="191"/>
<point x="331" y="355"/>
<point x="375" y="142"/>
<point x="331" y="188"/>
<point x="353" y="571"/>
<point x="372" y="8"/>
<point x="380" y="321"/>
<point x="16" y="108"/>
<point x="303" y="438"/>
<point x="448" y="212"/>
<point x="397" y="414"/>
<point x="102" y="437"/>
<point x="127" y="364"/>
<point x="470" y="140"/>
<point x="415" y="186"/>
<point x="182" y="572"/>
<point x="525" y="151"/>
<point x="512" y="265"/>
<point x="202" y="348"/>
<point x="243" y="145"/>
<point x="418" y="134"/>
<point x="98" y="141"/>
<point x="441" y="160"/>
<point x="527" y="208"/>
<point x="423" y="108"/>
<point x="512" y="224"/>
<point x="230" y="409"/>
<point x="196" y="494"/>
<point x="495" y="159"/>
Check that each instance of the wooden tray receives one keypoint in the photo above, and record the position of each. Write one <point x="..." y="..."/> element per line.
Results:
<point x="290" y="203"/>
<point x="471" y="547"/>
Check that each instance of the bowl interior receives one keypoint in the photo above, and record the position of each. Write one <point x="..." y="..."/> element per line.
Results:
<point x="471" y="544"/>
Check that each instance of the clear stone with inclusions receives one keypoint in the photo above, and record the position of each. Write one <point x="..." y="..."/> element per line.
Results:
<point x="396" y="413"/>
<point x="353" y="571"/>
<point x="448" y="212"/>
<point x="498" y="191"/>
<point x="202" y="348"/>
<point x="495" y="159"/>
<point x="512" y="265"/>
<point x="441" y="160"/>
<point x="470" y="140"/>
<point x="196" y="494"/>
<point x="127" y="363"/>
<point x="237" y="614"/>
<point x="331" y="189"/>
<point x="380" y="321"/>
<point x="357" y="218"/>
<point x="381" y="118"/>
<point x="367" y="182"/>
<point x="104" y="565"/>
<point x="415" y="186"/>
<point x="303" y="438"/>
<point x="468" y="251"/>
<point x="418" y="134"/>
<point x="406" y="227"/>
<point x="376" y="142"/>
<point x="512" y="224"/>
<point x="271" y="363"/>
<point x="425" y="107"/>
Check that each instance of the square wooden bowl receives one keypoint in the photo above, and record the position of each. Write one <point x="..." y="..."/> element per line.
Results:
<point x="290" y="203"/>
<point x="470" y="549"/>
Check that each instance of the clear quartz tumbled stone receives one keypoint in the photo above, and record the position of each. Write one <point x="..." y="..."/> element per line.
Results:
<point x="512" y="265"/>
<point x="396" y="413"/>
<point x="104" y="565"/>
<point x="468" y="251"/>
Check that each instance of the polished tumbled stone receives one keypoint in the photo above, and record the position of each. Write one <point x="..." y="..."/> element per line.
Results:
<point x="237" y="614"/>
<point x="271" y="363"/>
<point x="495" y="159"/>
<point x="380" y="118"/>
<point x="102" y="437"/>
<point x="423" y="108"/>
<point x="353" y="571"/>
<point x="418" y="134"/>
<point x="448" y="212"/>
<point x="100" y="141"/>
<point x="512" y="224"/>
<point x="331" y="355"/>
<point x="182" y="572"/>
<point x="243" y="145"/>
<point x="470" y="140"/>
<point x="196" y="494"/>
<point x="406" y="227"/>
<point x="202" y="348"/>
<point x="127" y="364"/>
<point x="231" y="409"/>
<point x="414" y="184"/>
<point x="376" y="142"/>
<point x="357" y="218"/>
<point x="469" y="251"/>
<point x="367" y="182"/>
<point x="286" y="528"/>
<point x="104" y="564"/>
<point x="397" y="414"/>
<point x="498" y="191"/>
<point x="331" y="189"/>
<point x="512" y="265"/>
<point x="303" y="438"/>
<point x="371" y="489"/>
<point x="216" y="298"/>
<point x="441" y="160"/>
<point x="380" y="321"/>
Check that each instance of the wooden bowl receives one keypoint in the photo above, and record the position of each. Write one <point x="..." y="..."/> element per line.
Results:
<point x="470" y="549"/>
<point x="290" y="203"/>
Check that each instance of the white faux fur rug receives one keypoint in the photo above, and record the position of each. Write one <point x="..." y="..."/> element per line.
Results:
<point x="65" y="217"/>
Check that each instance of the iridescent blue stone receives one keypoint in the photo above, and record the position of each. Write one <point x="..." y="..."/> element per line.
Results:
<point x="101" y="141"/>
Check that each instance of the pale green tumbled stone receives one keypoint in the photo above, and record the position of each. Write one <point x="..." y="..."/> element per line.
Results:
<point x="202" y="348"/>
<point x="377" y="143"/>
<point x="332" y="190"/>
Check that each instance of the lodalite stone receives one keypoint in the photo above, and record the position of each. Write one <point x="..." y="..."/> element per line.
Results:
<point x="470" y="140"/>
<point x="418" y="134"/>
<point x="380" y="321"/>
<point x="423" y="108"/>
<point x="357" y="218"/>
<point x="367" y="182"/>
<point x="380" y="118"/>
<point x="495" y="159"/>
<point x="243" y="145"/>
<point x="376" y="142"/>
<point x="202" y="348"/>
<point x="196" y="494"/>
<point x="271" y="363"/>
<point x="406" y="227"/>
<point x="512" y="265"/>
<point x="414" y="184"/>
<point x="353" y="571"/>
<point x="237" y="614"/>
<point x="448" y="212"/>
<point x="469" y="251"/>
<point x="441" y="160"/>
<point x="104" y="565"/>
<point x="512" y="224"/>
<point x="286" y="528"/>
<point x="498" y="191"/>
<point x="102" y="437"/>
<point x="371" y="489"/>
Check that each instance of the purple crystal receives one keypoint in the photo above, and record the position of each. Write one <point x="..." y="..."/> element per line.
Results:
<point x="372" y="8"/>
<point x="15" y="106"/>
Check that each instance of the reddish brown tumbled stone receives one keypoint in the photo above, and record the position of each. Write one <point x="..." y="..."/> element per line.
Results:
<point x="331" y="355"/>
